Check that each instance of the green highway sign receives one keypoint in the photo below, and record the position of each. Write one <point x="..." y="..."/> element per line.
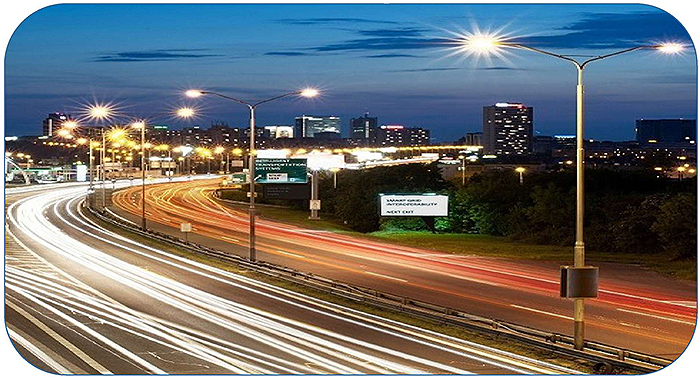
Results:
<point x="280" y="170"/>
<point x="238" y="178"/>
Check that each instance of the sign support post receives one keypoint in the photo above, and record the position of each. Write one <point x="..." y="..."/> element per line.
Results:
<point x="315" y="203"/>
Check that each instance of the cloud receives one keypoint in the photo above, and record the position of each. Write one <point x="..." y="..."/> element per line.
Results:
<point x="613" y="30"/>
<point x="383" y="43"/>
<point x="332" y="20"/>
<point x="428" y="69"/>
<point x="591" y="31"/>
<point x="287" y="53"/>
<point x="394" y="32"/>
<point x="153" y="55"/>
<point x="394" y="56"/>
<point x="499" y="68"/>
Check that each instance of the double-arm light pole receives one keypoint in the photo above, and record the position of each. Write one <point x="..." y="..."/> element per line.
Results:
<point x="486" y="44"/>
<point x="308" y="92"/>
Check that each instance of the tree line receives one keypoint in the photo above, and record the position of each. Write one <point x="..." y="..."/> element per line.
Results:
<point x="627" y="211"/>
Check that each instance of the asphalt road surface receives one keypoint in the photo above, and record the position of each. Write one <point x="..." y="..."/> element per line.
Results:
<point x="81" y="299"/>
<point x="636" y="309"/>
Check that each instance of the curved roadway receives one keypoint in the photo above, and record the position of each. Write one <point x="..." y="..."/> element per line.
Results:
<point x="81" y="299"/>
<point x="636" y="309"/>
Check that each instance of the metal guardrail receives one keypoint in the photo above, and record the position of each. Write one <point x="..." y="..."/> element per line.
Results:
<point x="603" y="356"/>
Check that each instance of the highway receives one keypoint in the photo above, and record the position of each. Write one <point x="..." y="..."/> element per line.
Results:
<point x="636" y="309"/>
<point x="81" y="299"/>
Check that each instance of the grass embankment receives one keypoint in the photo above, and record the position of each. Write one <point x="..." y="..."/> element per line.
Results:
<point x="494" y="341"/>
<point x="483" y="245"/>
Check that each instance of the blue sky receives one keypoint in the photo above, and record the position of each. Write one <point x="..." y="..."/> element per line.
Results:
<point x="389" y="60"/>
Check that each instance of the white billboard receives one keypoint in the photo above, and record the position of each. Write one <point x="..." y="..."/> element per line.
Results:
<point x="413" y="205"/>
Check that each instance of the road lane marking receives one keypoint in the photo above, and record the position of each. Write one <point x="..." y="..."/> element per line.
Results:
<point x="291" y="254"/>
<point x="683" y="303"/>
<point x="59" y="338"/>
<point x="656" y="316"/>
<point x="542" y="312"/>
<point x="386" y="276"/>
<point x="229" y="239"/>
<point x="38" y="352"/>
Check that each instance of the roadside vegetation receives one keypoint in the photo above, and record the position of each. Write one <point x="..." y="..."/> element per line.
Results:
<point x="631" y="215"/>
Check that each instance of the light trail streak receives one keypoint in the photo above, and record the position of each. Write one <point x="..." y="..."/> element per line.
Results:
<point x="424" y="269"/>
<point x="289" y="345"/>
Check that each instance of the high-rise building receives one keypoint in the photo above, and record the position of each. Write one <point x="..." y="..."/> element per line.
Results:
<point x="474" y="139"/>
<point x="507" y="129"/>
<point x="398" y="135"/>
<point x="308" y="126"/>
<point x="363" y="130"/>
<point x="54" y="122"/>
<point x="666" y="131"/>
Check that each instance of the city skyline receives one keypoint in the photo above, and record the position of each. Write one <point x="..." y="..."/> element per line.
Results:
<point x="388" y="60"/>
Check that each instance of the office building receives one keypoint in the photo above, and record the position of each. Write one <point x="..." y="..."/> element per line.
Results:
<point x="54" y="122"/>
<point x="399" y="135"/>
<point x="507" y="129"/>
<point x="363" y="130"/>
<point x="666" y="131"/>
<point x="474" y="139"/>
<point x="308" y="126"/>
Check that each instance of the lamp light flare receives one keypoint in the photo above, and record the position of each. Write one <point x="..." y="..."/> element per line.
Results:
<point x="193" y="93"/>
<point x="99" y="112"/>
<point x="70" y="124"/>
<point x="138" y="125"/>
<point x="670" y="48"/>
<point x="309" y="92"/>
<point x="185" y="112"/>
<point x="482" y="43"/>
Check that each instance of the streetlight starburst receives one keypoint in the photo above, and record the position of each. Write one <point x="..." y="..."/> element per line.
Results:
<point x="185" y="112"/>
<point x="309" y="92"/>
<point x="193" y="93"/>
<point x="670" y="48"/>
<point x="100" y="112"/>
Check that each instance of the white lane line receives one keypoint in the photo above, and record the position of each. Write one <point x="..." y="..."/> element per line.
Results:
<point x="291" y="254"/>
<point x="386" y="276"/>
<point x="542" y="312"/>
<point x="229" y="239"/>
<point x="656" y="316"/>
<point x="683" y="303"/>
<point x="67" y="344"/>
<point x="37" y="352"/>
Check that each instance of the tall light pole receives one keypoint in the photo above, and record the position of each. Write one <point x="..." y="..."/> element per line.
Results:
<point x="142" y="126"/>
<point x="487" y="44"/>
<point x="308" y="92"/>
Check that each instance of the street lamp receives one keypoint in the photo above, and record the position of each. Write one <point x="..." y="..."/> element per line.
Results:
<point x="306" y="92"/>
<point x="520" y="171"/>
<point x="492" y="44"/>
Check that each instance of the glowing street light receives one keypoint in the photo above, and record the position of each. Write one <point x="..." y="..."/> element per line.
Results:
<point x="485" y="44"/>
<point x="100" y="112"/>
<point x="193" y="93"/>
<point x="185" y="112"/>
<point x="670" y="48"/>
<point x="306" y="92"/>
<point x="520" y="171"/>
<point x="70" y="124"/>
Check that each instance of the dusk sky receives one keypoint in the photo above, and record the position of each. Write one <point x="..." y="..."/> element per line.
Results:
<point x="389" y="60"/>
